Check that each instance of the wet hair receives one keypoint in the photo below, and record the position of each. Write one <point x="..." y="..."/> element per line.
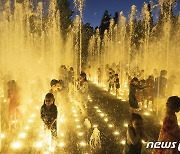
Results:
<point x="135" y="116"/>
<point x="163" y="73"/>
<point x="53" y="82"/>
<point x="49" y="96"/>
<point x="83" y="75"/>
<point x="173" y="102"/>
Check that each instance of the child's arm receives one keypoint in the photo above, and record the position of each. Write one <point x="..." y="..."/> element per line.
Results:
<point x="133" y="138"/>
<point x="43" y="116"/>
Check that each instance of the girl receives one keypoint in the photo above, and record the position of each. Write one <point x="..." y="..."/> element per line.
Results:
<point x="135" y="135"/>
<point x="170" y="131"/>
<point x="14" y="100"/>
<point x="49" y="114"/>
<point x="132" y="94"/>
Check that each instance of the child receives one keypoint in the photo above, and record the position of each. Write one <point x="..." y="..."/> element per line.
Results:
<point x="170" y="131"/>
<point x="117" y="84"/>
<point x="14" y="100"/>
<point x="111" y="81"/>
<point x="53" y="89"/>
<point x="49" y="114"/>
<point x="135" y="135"/>
<point x="99" y="73"/>
<point x="132" y="94"/>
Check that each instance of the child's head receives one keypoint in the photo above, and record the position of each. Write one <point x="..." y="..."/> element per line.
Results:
<point x="83" y="76"/>
<point x="60" y="85"/>
<point x="49" y="99"/>
<point x="136" y="121"/>
<point x="116" y="75"/>
<point x="53" y="84"/>
<point x="134" y="81"/>
<point x="163" y="73"/>
<point x="173" y="103"/>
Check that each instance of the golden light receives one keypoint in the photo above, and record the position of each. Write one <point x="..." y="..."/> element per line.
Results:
<point x="26" y="127"/>
<point x="62" y="134"/>
<point x="125" y="125"/>
<point x="123" y="142"/>
<point x="16" y="145"/>
<point x="110" y="126"/>
<point x="2" y="136"/>
<point x="179" y="123"/>
<point x="4" y="100"/>
<point x="61" y="144"/>
<point x="30" y="121"/>
<point x="102" y="114"/>
<point x="38" y="144"/>
<point x="95" y="107"/>
<point x="76" y="120"/>
<point x="80" y="134"/>
<point x="37" y="107"/>
<point x="99" y="111"/>
<point x="95" y="126"/>
<point x="146" y="113"/>
<point x="22" y="135"/>
<point x="106" y="119"/>
<point x="33" y="115"/>
<point x="14" y="121"/>
<point x="75" y="115"/>
<point x="78" y="126"/>
<point x="74" y="111"/>
<point x="82" y="143"/>
<point x="116" y="133"/>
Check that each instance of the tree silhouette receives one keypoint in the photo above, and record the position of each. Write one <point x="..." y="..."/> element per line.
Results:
<point x="105" y="22"/>
<point x="63" y="6"/>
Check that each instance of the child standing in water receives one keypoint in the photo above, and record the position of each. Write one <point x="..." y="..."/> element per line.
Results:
<point x="117" y="84"/>
<point x="135" y="135"/>
<point x="14" y="100"/>
<point x="49" y="114"/>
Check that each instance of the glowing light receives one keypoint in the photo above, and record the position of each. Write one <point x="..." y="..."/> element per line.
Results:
<point x="16" y="145"/>
<point x="123" y="100"/>
<point x="75" y="115"/>
<point x="77" y="120"/>
<point x="146" y="113"/>
<point x="99" y="111"/>
<point x="61" y="144"/>
<point x="145" y="106"/>
<point x="27" y="127"/>
<point x="82" y="143"/>
<point x="33" y="115"/>
<point x="4" y="100"/>
<point x="161" y="122"/>
<point x="125" y="125"/>
<point x="62" y="134"/>
<point x="22" y="135"/>
<point x="102" y="114"/>
<point x="90" y="100"/>
<point x="2" y="136"/>
<point x="150" y="110"/>
<point x="110" y="126"/>
<point x="95" y="107"/>
<point x="74" y="111"/>
<point x="30" y="121"/>
<point x="78" y="126"/>
<point x="123" y="142"/>
<point x="95" y="126"/>
<point x="116" y="133"/>
<point x="80" y="134"/>
<point x="38" y="144"/>
<point x="179" y="123"/>
<point x="37" y="107"/>
<point x="106" y="119"/>
<point x="14" y="121"/>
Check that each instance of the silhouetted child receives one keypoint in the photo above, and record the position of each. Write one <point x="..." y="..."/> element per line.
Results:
<point x="132" y="94"/>
<point x="117" y="84"/>
<point x="49" y="114"/>
<point x="13" y="100"/>
<point x="111" y="81"/>
<point x="53" y="89"/>
<point x="135" y="135"/>
<point x="99" y="73"/>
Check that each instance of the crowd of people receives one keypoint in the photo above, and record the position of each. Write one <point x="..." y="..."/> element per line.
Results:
<point x="141" y="90"/>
